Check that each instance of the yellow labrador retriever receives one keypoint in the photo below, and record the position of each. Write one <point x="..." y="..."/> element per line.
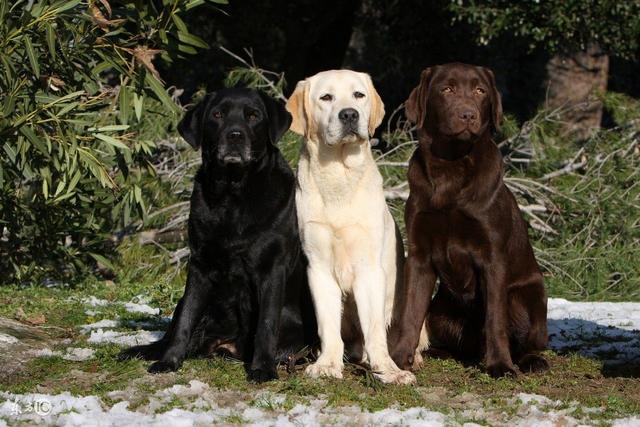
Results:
<point x="347" y="231"/>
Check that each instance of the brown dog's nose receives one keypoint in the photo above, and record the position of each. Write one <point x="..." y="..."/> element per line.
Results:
<point x="348" y="115"/>
<point x="467" y="115"/>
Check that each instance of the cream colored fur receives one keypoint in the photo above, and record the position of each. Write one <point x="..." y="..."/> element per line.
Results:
<point x="346" y="228"/>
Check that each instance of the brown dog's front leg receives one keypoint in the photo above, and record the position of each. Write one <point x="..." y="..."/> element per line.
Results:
<point x="497" y="354"/>
<point x="412" y="303"/>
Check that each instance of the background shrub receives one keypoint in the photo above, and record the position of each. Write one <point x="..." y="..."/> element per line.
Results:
<point x="81" y="104"/>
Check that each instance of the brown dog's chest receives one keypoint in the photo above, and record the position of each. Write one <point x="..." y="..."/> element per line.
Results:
<point x="454" y="256"/>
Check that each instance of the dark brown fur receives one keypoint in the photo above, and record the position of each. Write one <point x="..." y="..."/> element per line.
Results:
<point x="465" y="229"/>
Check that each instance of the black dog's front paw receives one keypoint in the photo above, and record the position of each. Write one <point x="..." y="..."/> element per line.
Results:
<point x="261" y="375"/>
<point x="163" y="366"/>
<point x="501" y="369"/>
<point x="146" y="352"/>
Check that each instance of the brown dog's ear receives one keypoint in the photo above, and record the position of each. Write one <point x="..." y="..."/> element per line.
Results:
<point x="296" y="106"/>
<point x="377" y="107"/>
<point x="496" y="99"/>
<point x="415" y="108"/>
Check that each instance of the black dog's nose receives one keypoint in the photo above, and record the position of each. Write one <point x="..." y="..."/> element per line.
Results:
<point x="234" y="136"/>
<point x="348" y="115"/>
<point x="467" y="115"/>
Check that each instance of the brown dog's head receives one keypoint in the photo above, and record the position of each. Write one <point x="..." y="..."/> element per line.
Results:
<point x="456" y="101"/>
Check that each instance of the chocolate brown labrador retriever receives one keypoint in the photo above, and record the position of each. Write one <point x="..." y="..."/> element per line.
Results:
<point x="465" y="229"/>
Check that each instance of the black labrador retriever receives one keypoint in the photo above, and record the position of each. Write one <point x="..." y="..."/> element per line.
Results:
<point x="246" y="292"/>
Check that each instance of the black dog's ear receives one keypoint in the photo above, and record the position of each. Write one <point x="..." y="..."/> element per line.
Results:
<point x="279" y="117"/>
<point x="496" y="99"/>
<point x="190" y="127"/>
<point x="415" y="108"/>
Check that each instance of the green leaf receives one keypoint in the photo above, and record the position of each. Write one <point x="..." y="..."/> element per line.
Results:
<point x="193" y="3"/>
<point x="196" y="41"/>
<point x="65" y="5"/>
<point x="27" y="131"/>
<point x="219" y="1"/>
<point x="51" y="40"/>
<point x="179" y="23"/>
<point x="102" y="260"/>
<point x="159" y="91"/>
<point x="138" y="103"/>
<point x="124" y="104"/>
<point x="111" y="140"/>
<point x="187" y="49"/>
<point x="32" y="56"/>
<point x="109" y="128"/>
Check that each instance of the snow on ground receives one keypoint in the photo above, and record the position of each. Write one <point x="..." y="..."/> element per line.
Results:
<point x="607" y="331"/>
<point x="603" y="330"/>
<point x="74" y="354"/>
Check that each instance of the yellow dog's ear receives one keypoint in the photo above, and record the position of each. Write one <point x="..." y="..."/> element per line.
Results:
<point x="377" y="107"/>
<point x="296" y="106"/>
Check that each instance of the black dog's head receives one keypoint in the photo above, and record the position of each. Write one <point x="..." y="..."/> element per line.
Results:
<point x="458" y="101"/>
<point x="235" y="127"/>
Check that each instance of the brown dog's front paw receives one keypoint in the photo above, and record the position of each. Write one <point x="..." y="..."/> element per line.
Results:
<point x="532" y="363"/>
<point x="403" y="359"/>
<point x="501" y="369"/>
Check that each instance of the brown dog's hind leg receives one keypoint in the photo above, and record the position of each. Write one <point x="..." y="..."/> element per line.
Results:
<point x="528" y="325"/>
<point x="452" y="330"/>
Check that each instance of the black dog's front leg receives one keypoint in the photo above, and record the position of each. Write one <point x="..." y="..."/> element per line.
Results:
<point x="185" y="319"/>
<point x="270" y="300"/>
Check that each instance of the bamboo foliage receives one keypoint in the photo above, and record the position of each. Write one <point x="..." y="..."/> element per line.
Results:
<point x="76" y="82"/>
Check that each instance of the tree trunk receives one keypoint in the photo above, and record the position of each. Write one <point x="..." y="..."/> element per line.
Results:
<point x="574" y="84"/>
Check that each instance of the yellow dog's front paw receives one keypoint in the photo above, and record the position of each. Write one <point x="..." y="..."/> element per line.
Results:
<point x="323" y="369"/>
<point x="396" y="377"/>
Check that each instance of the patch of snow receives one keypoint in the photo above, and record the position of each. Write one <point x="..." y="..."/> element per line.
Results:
<point x="45" y="352"/>
<point x="8" y="339"/>
<point x="78" y="354"/>
<point x="527" y="398"/>
<point x="74" y="354"/>
<point x="95" y="302"/>
<point x="101" y="336"/>
<point x="627" y="422"/>
<point x="604" y="330"/>
<point x="133" y="307"/>
<point x="104" y="323"/>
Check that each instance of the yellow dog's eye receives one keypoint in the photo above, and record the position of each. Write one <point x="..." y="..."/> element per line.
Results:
<point x="447" y="89"/>
<point x="326" y="97"/>
<point x="480" y="91"/>
<point x="358" y="95"/>
<point x="217" y="114"/>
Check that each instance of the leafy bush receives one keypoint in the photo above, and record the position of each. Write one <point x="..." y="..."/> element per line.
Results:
<point x="78" y="91"/>
<point x="558" y="26"/>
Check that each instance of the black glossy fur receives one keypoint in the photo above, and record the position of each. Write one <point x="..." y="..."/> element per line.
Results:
<point x="246" y="291"/>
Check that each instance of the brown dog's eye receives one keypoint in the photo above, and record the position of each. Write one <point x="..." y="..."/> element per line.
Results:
<point x="480" y="91"/>
<point x="447" y="89"/>
<point x="358" y="95"/>
<point x="217" y="114"/>
<point x="326" y="97"/>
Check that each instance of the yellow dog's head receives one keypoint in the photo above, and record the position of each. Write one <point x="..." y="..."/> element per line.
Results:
<point x="337" y="106"/>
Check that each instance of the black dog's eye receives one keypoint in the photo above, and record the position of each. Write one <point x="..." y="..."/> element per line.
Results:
<point x="217" y="114"/>
<point x="252" y="116"/>
<point x="358" y="95"/>
<point x="326" y="97"/>
<point x="480" y="91"/>
<point x="447" y="89"/>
